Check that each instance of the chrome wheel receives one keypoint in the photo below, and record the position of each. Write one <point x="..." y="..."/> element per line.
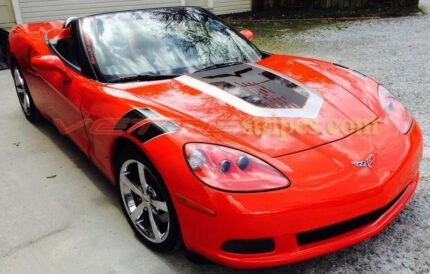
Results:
<point x="146" y="208"/>
<point x="21" y="90"/>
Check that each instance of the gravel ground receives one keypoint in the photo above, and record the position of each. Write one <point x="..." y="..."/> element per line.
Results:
<point x="72" y="223"/>
<point x="396" y="52"/>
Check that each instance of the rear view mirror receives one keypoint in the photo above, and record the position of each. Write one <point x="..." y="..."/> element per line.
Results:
<point x="248" y="34"/>
<point x="53" y="63"/>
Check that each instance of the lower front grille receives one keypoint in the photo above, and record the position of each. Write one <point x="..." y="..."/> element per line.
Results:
<point x="344" y="227"/>
<point x="249" y="246"/>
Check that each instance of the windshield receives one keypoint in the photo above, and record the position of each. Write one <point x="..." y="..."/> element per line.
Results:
<point x="169" y="41"/>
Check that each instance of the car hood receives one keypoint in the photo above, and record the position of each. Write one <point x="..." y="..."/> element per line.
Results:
<point x="278" y="106"/>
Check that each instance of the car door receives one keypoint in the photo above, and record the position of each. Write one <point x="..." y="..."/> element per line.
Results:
<point x="61" y="96"/>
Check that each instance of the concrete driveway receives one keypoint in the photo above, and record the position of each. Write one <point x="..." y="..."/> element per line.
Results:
<point x="59" y="214"/>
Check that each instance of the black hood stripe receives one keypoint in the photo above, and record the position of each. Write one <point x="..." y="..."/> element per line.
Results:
<point x="257" y="90"/>
<point x="256" y="86"/>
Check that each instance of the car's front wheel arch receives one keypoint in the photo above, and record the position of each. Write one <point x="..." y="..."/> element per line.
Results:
<point x="31" y="111"/>
<point x="127" y="154"/>
<point x="120" y="145"/>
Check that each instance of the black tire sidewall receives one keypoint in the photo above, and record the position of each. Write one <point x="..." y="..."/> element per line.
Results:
<point x="34" y="115"/>
<point x="173" y="239"/>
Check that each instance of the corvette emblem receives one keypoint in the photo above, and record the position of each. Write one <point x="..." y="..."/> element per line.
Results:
<point x="366" y="163"/>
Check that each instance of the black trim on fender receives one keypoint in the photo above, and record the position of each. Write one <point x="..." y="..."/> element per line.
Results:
<point x="151" y="130"/>
<point x="147" y="132"/>
<point x="133" y="117"/>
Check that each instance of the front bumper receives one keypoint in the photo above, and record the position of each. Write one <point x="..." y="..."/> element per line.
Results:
<point x="288" y="251"/>
<point x="286" y="214"/>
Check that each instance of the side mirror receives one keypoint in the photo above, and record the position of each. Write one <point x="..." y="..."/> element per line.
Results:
<point x="248" y="34"/>
<point x="53" y="63"/>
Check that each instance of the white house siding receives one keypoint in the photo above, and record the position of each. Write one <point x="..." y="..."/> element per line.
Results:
<point x="228" y="6"/>
<point x="38" y="10"/>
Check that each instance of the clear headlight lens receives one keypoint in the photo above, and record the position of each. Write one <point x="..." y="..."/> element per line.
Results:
<point x="397" y="113"/>
<point x="232" y="170"/>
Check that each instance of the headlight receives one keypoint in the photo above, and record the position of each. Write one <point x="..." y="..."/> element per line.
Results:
<point x="397" y="113"/>
<point x="232" y="170"/>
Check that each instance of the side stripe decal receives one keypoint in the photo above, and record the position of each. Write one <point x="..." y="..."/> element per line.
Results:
<point x="133" y="117"/>
<point x="151" y="130"/>
<point x="147" y="132"/>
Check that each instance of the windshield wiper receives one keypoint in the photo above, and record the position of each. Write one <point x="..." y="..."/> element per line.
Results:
<point x="220" y="65"/>
<point x="143" y="77"/>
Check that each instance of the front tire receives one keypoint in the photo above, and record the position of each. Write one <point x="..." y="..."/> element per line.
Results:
<point x="145" y="202"/>
<point x="26" y="101"/>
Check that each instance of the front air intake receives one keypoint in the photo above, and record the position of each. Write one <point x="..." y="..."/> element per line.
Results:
<point x="327" y="232"/>
<point x="249" y="246"/>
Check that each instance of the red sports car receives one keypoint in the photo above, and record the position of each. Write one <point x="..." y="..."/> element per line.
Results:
<point x="250" y="159"/>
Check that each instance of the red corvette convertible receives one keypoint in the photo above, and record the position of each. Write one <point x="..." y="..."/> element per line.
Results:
<point x="249" y="159"/>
